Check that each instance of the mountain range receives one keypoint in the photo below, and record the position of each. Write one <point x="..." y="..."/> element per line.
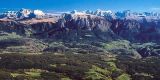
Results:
<point x="127" y="14"/>
<point x="104" y="25"/>
<point x="79" y="45"/>
<point x="86" y="27"/>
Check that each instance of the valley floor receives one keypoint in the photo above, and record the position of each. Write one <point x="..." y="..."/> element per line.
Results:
<point x="38" y="59"/>
<point x="77" y="67"/>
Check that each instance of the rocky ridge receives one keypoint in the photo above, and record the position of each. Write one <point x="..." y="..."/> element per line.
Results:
<point x="86" y="28"/>
<point x="82" y="25"/>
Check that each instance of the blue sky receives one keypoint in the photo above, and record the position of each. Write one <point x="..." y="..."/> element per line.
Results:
<point x="68" y="5"/>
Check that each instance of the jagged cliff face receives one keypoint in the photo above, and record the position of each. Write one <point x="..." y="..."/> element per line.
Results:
<point x="136" y="31"/>
<point x="79" y="27"/>
<point x="69" y="27"/>
<point x="12" y="26"/>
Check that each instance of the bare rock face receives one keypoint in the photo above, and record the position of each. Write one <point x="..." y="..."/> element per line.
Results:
<point x="12" y="26"/>
<point x="136" y="31"/>
<point x="69" y="27"/>
<point x="79" y="27"/>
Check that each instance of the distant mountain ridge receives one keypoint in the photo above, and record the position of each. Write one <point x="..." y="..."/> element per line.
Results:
<point x="108" y="14"/>
<point x="22" y="14"/>
<point x="127" y="14"/>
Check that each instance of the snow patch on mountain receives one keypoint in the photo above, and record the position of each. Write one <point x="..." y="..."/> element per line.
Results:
<point x="78" y="12"/>
<point x="108" y="14"/>
<point x="23" y="14"/>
